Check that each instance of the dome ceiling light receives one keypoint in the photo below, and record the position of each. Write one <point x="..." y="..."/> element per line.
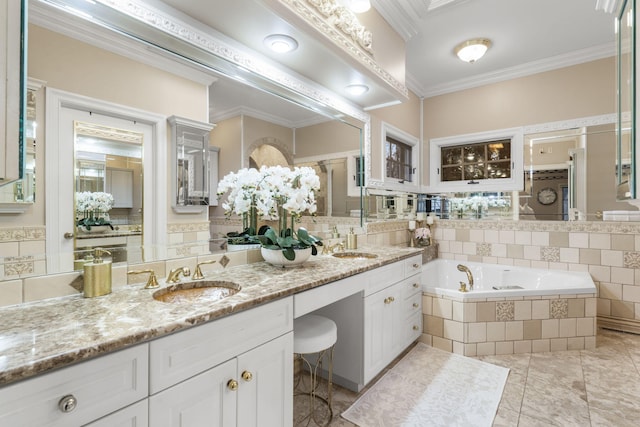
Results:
<point x="280" y="43"/>
<point x="357" y="89"/>
<point x="472" y="50"/>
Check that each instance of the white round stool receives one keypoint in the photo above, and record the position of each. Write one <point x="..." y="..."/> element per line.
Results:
<point x="317" y="335"/>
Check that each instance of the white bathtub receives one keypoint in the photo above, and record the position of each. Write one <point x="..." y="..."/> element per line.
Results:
<point x="441" y="277"/>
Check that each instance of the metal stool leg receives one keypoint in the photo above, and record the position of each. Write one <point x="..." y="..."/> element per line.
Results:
<point x="312" y="390"/>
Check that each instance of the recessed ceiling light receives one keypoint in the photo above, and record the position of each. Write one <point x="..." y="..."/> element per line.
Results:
<point x="280" y="43"/>
<point x="472" y="50"/>
<point x="357" y="89"/>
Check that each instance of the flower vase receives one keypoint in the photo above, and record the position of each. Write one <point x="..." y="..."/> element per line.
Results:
<point x="95" y="229"/>
<point x="276" y="258"/>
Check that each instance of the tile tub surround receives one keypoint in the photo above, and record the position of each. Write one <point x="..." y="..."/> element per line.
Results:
<point x="486" y="326"/>
<point x="609" y="251"/>
<point x="56" y="332"/>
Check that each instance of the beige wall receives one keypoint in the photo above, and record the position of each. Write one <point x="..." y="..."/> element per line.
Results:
<point x="325" y="138"/>
<point x="389" y="48"/>
<point x="70" y="65"/>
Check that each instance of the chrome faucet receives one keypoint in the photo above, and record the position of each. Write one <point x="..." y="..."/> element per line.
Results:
<point x="465" y="269"/>
<point x="174" y="275"/>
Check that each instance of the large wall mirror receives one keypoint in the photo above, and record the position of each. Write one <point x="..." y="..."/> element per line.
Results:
<point x="93" y="52"/>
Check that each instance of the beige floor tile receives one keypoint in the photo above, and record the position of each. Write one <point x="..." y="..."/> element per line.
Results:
<point x="598" y="387"/>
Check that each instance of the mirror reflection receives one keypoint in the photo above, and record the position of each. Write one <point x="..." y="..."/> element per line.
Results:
<point x="108" y="191"/>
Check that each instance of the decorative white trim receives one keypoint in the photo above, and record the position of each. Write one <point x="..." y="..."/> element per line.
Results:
<point x="326" y="28"/>
<point x="14" y="207"/>
<point x="603" y="119"/>
<point x="261" y="115"/>
<point x="155" y="194"/>
<point x="346" y="21"/>
<point x="547" y="64"/>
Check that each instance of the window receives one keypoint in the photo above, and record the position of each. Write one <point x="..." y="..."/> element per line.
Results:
<point x="400" y="159"/>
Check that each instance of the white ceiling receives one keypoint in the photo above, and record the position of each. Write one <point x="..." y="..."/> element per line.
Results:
<point x="528" y="36"/>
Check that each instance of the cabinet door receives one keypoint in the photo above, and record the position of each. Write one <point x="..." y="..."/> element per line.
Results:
<point x="136" y="415"/>
<point x="265" y="394"/>
<point x="204" y="400"/>
<point x="378" y="328"/>
<point x="120" y="185"/>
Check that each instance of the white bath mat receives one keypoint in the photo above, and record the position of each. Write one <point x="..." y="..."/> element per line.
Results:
<point x="430" y="387"/>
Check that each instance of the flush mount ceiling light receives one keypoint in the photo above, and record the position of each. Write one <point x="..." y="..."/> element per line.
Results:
<point x="358" y="6"/>
<point x="472" y="50"/>
<point x="356" y="89"/>
<point x="280" y="43"/>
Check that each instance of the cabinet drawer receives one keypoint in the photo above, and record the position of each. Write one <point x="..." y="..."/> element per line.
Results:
<point x="412" y="328"/>
<point x="412" y="305"/>
<point x="411" y="286"/>
<point x="185" y="354"/>
<point x="99" y="386"/>
<point x="382" y="277"/>
<point x="412" y="265"/>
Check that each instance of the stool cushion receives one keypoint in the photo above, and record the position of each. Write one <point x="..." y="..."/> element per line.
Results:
<point x="312" y="334"/>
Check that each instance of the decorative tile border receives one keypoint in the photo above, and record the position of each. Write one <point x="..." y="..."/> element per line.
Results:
<point x="559" y="309"/>
<point x="187" y="227"/>
<point x="631" y="259"/>
<point x="18" y="234"/>
<point x="550" y="253"/>
<point x="613" y="227"/>
<point x="505" y="311"/>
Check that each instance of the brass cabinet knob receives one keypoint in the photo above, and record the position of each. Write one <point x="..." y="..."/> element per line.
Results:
<point x="247" y="376"/>
<point x="416" y="265"/>
<point x="68" y="235"/>
<point x="415" y="328"/>
<point x="415" y="285"/>
<point x="387" y="301"/>
<point x="232" y="385"/>
<point x="68" y="403"/>
<point x="392" y="299"/>
<point x="416" y="305"/>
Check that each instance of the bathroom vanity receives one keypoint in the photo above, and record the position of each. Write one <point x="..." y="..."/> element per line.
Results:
<point x="126" y="358"/>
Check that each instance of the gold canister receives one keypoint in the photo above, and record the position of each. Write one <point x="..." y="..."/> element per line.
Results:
<point x="97" y="275"/>
<point x="352" y="240"/>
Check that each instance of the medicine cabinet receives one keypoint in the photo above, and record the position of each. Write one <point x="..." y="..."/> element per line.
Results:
<point x="190" y="165"/>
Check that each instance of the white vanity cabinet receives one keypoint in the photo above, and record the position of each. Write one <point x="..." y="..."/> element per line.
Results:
<point x="236" y="371"/>
<point x="78" y="394"/>
<point x="392" y="310"/>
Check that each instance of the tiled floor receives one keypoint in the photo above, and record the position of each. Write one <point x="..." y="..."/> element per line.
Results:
<point x="598" y="387"/>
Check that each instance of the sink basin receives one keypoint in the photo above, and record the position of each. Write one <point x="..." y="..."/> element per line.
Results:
<point x="354" y="255"/>
<point x="200" y="291"/>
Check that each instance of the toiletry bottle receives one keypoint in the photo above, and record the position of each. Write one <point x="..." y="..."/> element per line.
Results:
<point x="352" y="240"/>
<point x="97" y="275"/>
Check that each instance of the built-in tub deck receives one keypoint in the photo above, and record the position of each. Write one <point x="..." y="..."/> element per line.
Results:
<point x="550" y="310"/>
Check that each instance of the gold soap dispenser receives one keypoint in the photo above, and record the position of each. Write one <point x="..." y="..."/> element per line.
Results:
<point x="97" y="275"/>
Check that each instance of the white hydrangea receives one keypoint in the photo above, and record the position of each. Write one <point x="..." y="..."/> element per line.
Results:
<point x="97" y="201"/>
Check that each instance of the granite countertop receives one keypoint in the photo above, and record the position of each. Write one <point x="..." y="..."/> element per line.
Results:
<point x="41" y="336"/>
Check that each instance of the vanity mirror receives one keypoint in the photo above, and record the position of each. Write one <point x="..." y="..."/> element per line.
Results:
<point x="576" y="162"/>
<point x="57" y="39"/>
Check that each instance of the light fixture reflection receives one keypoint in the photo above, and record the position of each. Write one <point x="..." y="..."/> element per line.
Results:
<point x="356" y="89"/>
<point x="280" y="43"/>
<point x="472" y="50"/>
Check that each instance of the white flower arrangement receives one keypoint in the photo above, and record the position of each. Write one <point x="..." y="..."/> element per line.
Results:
<point x="93" y="208"/>
<point x="274" y="193"/>
<point x="97" y="201"/>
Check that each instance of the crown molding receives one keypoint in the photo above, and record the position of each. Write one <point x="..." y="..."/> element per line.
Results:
<point x="547" y="64"/>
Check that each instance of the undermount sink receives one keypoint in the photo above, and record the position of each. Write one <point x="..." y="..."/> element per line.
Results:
<point x="354" y="255"/>
<point x="197" y="291"/>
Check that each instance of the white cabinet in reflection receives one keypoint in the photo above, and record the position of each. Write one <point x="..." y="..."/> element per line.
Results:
<point x="119" y="182"/>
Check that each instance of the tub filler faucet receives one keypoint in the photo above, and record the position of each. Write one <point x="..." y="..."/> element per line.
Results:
<point x="465" y="269"/>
